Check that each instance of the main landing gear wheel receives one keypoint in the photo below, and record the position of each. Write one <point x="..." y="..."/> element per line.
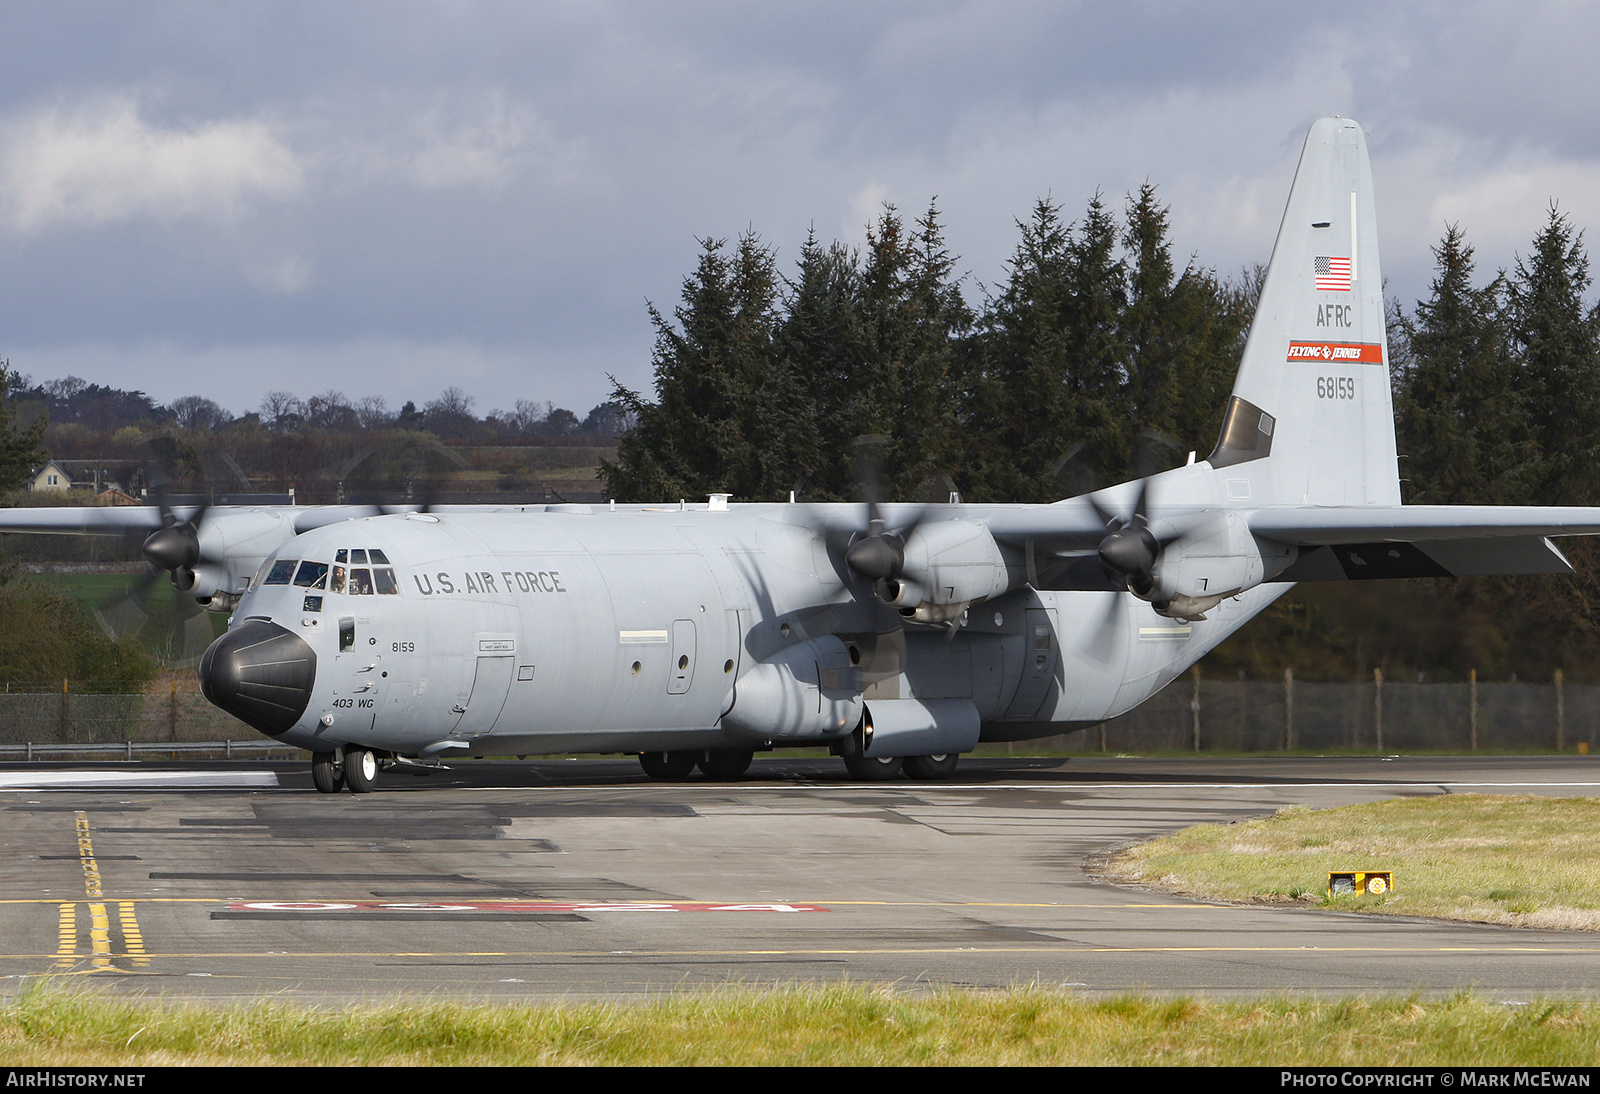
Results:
<point x="360" y="769"/>
<point x="726" y="763"/>
<point x="671" y="766"/>
<point x="327" y="772"/>
<point x="932" y="767"/>
<point x="863" y="769"/>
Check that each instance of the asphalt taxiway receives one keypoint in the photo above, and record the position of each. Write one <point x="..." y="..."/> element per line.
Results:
<point x="576" y="879"/>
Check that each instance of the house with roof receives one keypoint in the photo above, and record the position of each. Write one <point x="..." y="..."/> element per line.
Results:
<point x="97" y="476"/>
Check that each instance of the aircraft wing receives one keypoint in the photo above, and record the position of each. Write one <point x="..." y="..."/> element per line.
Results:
<point x="1350" y="543"/>
<point x="1059" y="528"/>
<point x="1310" y="525"/>
<point x="1366" y="542"/>
<point x="83" y="519"/>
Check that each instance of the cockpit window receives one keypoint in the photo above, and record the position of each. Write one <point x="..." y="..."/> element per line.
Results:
<point x="282" y="570"/>
<point x="311" y="575"/>
<point x="362" y="571"/>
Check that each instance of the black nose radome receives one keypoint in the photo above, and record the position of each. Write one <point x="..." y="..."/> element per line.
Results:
<point x="261" y="674"/>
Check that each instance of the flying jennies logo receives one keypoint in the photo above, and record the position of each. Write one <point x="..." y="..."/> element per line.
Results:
<point x="1356" y="353"/>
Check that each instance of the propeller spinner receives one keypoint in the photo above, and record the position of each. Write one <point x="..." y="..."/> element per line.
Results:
<point x="1130" y="551"/>
<point x="175" y="546"/>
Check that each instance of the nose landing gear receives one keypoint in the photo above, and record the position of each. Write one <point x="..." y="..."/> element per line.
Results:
<point x="355" y="767"/>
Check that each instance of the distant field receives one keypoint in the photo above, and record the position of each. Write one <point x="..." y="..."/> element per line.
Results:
<point x="566" y="458"/>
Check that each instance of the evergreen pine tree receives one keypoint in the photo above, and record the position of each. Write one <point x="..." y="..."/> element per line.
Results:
<point x="912" y="314"/>
<point x="1022" y="413"/>
<point x="712" y="370"/>
<point x="1560" y="354"/>
<point x="1460" y="417"/>
<point x="1183" y="335"/>
<point x="819" y="346"/>
<point x="21" y="448"/>
<point x="1097" y="343"/>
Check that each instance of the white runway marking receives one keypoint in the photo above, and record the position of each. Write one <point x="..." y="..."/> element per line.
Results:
<point x="1061" y="788"/>
<point x="165" y="780"/>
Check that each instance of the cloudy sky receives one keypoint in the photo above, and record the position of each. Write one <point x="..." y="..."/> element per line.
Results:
<point x="392" y="198"/>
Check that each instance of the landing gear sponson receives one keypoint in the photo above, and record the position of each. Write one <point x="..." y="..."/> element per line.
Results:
<point x="357" y="768"/>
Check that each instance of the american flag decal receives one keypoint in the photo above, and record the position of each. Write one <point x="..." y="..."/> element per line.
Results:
<point x="1333" y="274"/>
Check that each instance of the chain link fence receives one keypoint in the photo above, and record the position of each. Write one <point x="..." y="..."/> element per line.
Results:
<point x="62" y="716"/>
<point x="1192" y="714"/>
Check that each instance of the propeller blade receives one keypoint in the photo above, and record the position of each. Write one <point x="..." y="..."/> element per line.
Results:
<point x="123" y="616"/>
<point x="1107" y="633"/>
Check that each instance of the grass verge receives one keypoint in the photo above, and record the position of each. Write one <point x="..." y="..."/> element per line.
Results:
<point x="1517" y="860"/>
<point x="842" y="1025"/>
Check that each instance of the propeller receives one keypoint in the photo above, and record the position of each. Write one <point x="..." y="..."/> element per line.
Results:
<point x="1130" y="550"/>
<point x="171" y="624"/>
<point x="871" y="548"/>
<point x="175" y="545"/>
<point x="877" y="551"/>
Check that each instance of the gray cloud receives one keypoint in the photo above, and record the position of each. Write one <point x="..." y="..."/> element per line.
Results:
<point x="393" y="199"/>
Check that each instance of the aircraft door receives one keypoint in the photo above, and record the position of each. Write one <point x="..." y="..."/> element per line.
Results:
<point x="356" y="672"/>
<point x="478" y="707"/>
<point x="681" y="673"/>
<point x="1041" y="653"/>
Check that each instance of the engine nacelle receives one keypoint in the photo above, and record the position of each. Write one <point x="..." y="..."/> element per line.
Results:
<point x="949" y="563"/>
<point x="806" y="691"/>
<point x="1207" y="563"/>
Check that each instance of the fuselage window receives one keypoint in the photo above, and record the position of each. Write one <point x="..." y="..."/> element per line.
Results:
<point x="360" y="581"/>
<point x="383" y="578"/>
<point x="282" y="570"/>
<point x="312" y="575"/>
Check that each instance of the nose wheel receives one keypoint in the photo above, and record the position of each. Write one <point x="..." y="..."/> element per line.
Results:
<point x="355" y="767"/>
<point x="327" y="772"/>
<point x="360" y="769"/>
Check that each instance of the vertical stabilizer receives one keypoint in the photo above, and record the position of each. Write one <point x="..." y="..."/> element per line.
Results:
<point x="1311" y="421"/>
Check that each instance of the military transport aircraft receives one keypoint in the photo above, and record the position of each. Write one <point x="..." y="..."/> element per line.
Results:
<point x="897" y="635"/>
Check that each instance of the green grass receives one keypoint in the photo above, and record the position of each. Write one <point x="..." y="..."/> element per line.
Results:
<point x="843" y="1025"/>
<point x="1523" y="861"/>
